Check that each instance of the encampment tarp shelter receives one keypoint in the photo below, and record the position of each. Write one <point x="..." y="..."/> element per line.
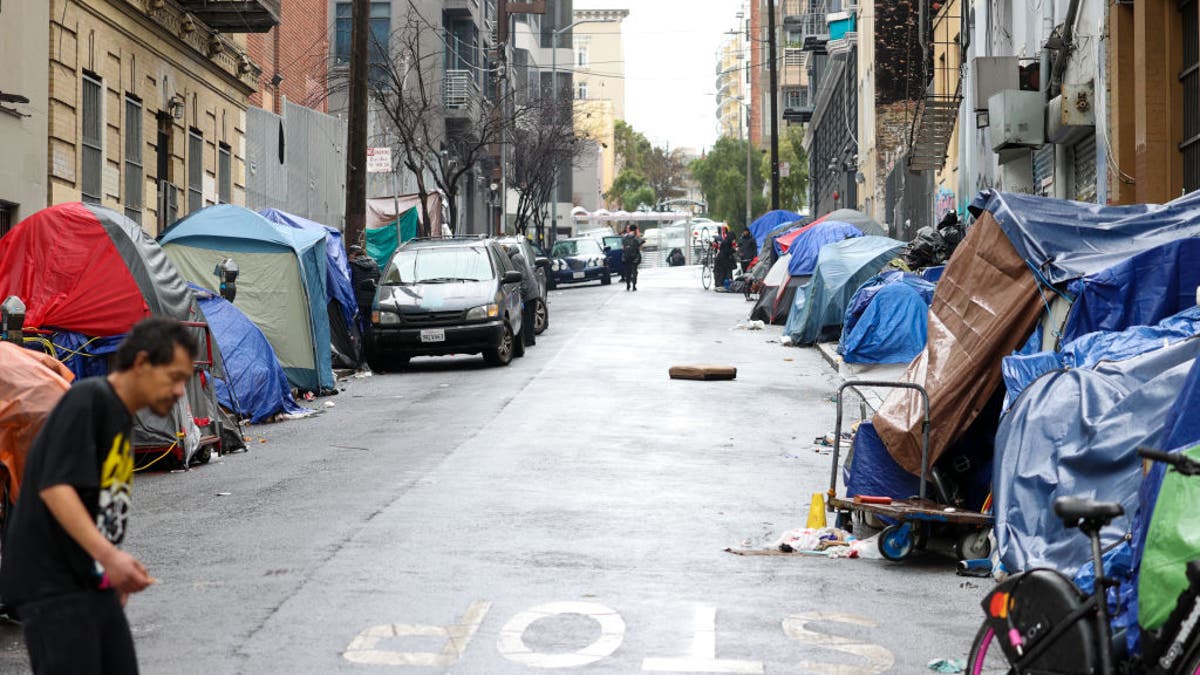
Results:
<point x="842" y="267"/>
<point x="774" y="300"/>
<point x="989" y="300"/>
<point x="31" y="383"/>
<point x="88" y="274"/>
<point x="254" y="386"/>
<point x="890" y="330"/>
<point x="868" y="225"/>
<point x="281" y="286"/>
<point x="806" y="247"/>
<point x="771" y="220"/>
<point x="384" y="210"/>
<point x="383" y="241"/>
<point x="344" y="336"/>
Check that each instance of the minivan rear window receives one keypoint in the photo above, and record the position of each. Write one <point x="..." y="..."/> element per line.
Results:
<point x="439" y="265"/>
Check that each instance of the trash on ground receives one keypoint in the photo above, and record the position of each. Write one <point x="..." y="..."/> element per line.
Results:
<point x="948" y="665"/>
<point x="753" y="324"/>
<point x="224" y="494"/>
<point x="329" y="404"/>
<point x="702" y="372"/>
<point x="362" y="374"/>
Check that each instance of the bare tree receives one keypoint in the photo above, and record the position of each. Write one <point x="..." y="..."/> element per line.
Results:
<point x="665" y="170"/>
<point x="543" y="139"/>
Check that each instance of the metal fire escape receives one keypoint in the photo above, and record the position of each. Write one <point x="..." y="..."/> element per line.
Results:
<point x="937" y="111"/>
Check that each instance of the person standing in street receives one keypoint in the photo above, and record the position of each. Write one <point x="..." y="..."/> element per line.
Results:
<point x="62" y="567"/>
<point x="530" y="294"/>
<point x="723" y="268"/>
<point x="363" y="268"/>
<point x="631" y="256"/>
<point x="747" y="250"/>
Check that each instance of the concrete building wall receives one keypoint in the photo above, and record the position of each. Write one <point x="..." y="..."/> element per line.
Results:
<point x="160" y="58"/>
<point x="298" y="51"/>
<point x="24" y="44"/>
<point x="604" y="77"/>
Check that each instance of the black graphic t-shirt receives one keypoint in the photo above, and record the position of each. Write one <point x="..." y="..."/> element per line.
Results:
<point x="85" y="443"/>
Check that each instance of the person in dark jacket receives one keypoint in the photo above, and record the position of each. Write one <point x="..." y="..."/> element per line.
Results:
<point x="529" y="294"/>
<point x="363" y="268"/>
<point x="747" y="249"/>
<point x="723" y="267"/>
<point x="631" y="256"/>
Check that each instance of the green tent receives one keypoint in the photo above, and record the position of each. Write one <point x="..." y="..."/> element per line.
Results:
<point x="1171" y="542"/>
<point x="382" y="242"/>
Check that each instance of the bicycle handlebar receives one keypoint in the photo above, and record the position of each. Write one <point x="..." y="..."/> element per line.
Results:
<point x="1182" y="463"/>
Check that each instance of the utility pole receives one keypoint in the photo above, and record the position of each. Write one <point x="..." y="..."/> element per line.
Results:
<point x="356" y="143"/>
<point x="746" y="118"/>
<point x="774" y="66"/>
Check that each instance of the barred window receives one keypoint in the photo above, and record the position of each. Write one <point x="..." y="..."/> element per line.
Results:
<point x="195" y="170"/>
<point x="224" y="174"/>
<point x="134" y="171"/>
<point x="92" y="152"/>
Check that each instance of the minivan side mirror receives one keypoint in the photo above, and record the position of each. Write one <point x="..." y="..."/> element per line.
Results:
<point x="513" y="277"/>
<point x="541" y="261"/>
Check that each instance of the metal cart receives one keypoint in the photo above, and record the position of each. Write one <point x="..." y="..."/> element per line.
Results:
<point x="911" y="518"/>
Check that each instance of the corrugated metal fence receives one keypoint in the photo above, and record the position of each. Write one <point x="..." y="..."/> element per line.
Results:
<point x="296" y="163"/>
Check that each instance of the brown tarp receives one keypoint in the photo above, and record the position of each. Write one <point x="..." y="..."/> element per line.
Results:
<point x="384" y="210"/>
<point x="31" y="383"/>
<point x="985" y="306"/>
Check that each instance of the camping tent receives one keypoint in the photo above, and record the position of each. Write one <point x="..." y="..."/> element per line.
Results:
<point x="778" y="292"/>
<point x="989" y="302"/>
<point x="344" y="336"/>
<point x="891" y="329"/>
<point x="31" y="383"/>
<point x="808" y="244"/>
<point x="841" y="268"/>
<point x="88" y="274"/>
<point x="862" y="221"/>
<point x="281" y="287"/>
<point x="766" y="223"/>
<point x="255" y="386"/>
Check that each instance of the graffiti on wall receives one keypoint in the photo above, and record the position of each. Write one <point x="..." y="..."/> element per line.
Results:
<point x="944" y="202"/>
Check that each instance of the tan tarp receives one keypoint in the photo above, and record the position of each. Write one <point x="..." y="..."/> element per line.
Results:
<point x="383" y="210"/>
<point x="986" y="305"/>
<point x="31" y="383"/>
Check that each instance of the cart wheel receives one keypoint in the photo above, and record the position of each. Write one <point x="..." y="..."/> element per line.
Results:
<point x="897" y="541"/>
<point x="973" y="545"/>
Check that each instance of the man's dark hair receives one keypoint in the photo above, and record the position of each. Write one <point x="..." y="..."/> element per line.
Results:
<point x="633" y="228"/>
<point x="157" y="336"/>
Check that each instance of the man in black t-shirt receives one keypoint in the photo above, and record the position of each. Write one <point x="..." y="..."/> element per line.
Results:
<point x="62" y="568"/>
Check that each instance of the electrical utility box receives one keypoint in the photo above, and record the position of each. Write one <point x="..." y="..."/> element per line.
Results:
<point x="994" y="74"/>
<point x="1017" y="119"/>
<point x="1072" y="114"/>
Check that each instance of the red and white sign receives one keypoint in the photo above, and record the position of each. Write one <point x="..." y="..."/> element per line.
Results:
<point x="379" y="160"/>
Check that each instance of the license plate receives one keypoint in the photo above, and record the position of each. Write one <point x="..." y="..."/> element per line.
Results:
<point x="577" y="275"/>
<point x="433" y="335"/>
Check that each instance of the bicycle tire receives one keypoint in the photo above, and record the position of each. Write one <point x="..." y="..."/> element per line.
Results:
<point x="706" y="275"/>
<point x="986" y="656"/>
<point x="1190" y="664"/>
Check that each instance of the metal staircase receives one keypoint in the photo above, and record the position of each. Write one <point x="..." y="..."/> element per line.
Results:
<point x="932" y="129"/>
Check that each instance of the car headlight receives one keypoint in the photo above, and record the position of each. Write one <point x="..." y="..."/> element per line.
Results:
<point x="384" y="318"/>
<point x="483" y="312"/>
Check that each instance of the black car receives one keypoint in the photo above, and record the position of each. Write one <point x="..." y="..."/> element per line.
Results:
<point x="577" y="260"/>
<point x="446" y="296"/>
<point x="536" y="266"/>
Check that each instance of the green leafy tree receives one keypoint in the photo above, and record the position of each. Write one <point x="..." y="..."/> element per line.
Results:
<point x="632" y="201"/>
<point x="722" y="177"/>
<point x="632" y="147"/>
<point x="629" y="187"/>
<point x="793" y="190"/>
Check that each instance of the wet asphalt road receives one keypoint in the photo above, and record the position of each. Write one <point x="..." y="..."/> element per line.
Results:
<point x="569" y="511"/>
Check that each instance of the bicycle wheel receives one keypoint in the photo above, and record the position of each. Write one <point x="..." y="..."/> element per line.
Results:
<point x="1190" y="665"/>
<point x="987" y="656"/>
<point x="706" y="273"/>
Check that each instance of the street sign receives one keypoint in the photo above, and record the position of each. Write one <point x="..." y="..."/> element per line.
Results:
<point x="379" y="160"/>
<point x="785" y="169"/>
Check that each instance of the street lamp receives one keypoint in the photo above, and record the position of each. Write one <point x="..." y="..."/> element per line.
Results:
<point x="554" y="81"/>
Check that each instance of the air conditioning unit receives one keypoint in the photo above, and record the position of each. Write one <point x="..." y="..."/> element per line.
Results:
<point x="1072" y="114"/>
<point x="1017" y="119"/>
<point x="993" y="74"/>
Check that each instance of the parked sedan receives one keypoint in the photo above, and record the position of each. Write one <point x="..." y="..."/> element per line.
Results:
<point x="446" y="296"/>
<point x="577" y="260"/>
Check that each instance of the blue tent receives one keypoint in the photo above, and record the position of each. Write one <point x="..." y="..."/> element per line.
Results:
<point x="259" y="386"/>
<point x="343" y="329"/>
<point x="891" y="330"/>
<point x="281" y="287"/>
<point x="841" y="268"/>
<point x="770" y="221"/>
<point x="807" y="246"/>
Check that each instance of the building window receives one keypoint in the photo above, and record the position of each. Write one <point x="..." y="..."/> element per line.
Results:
<point x="91" y="182"/>
<point x="224" y="174"/>
<point x="134" y="172"/>
<point x="8" y="217"/>
<point x="195" y="161"/>
<point x="794" y="98"/>
<point x="581" y="56"/>
<point x="581" y="91"/>
<point x="1189" y="77"/>
<point x="380" y="34"/>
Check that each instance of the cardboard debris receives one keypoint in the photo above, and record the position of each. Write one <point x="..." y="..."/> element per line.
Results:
<point x="703" y="372"/>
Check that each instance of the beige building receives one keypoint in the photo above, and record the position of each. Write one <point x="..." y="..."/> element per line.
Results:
<point x="731" y="87"/>
<point x="147" y="104"/>
<point x="599" y="76"/>
<point x="595" y="171"/>
<point x="24" y="41"/>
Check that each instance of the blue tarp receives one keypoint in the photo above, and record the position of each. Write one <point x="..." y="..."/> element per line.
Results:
<point x="1067" y="240"/>
<point x="1074" y="433"/>
<point x="337" y="267"/>
<point x="933" y="274"/>
<point x="841" y="268"/>
<point x="230" y="228"/>
<point x="866" y="293"/>
<point x="769" y="222"/>
<point x="1089" y="350"/>
<point x="807" y="246"/>
<point x="872" y="471"/>
<point x="1140" y="291"/>
<point x="259" y="386"/>
<point x="892" y="330"/>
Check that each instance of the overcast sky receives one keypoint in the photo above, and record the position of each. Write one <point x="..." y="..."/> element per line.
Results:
<point x="670" y="65"/>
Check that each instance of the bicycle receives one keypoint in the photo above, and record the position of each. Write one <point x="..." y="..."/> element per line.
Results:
<point x="707" y="258"/>
<point x="1028" y="614"/>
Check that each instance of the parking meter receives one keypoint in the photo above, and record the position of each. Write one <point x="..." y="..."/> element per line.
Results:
<point x="227" y="274"/>
<point x="12" y="320"/>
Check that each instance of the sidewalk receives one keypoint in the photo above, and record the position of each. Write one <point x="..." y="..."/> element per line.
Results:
<point x="886" y="372"/>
